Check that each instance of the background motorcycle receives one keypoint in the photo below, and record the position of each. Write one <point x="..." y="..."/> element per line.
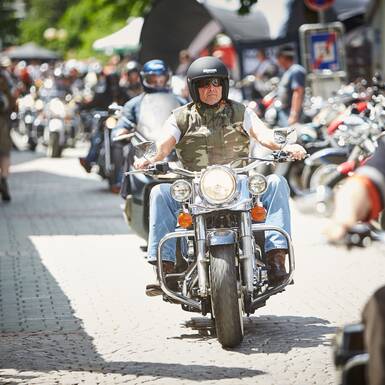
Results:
<point x="155" y="108"/>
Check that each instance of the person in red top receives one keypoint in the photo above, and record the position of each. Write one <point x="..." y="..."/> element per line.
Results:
<point x="362" y="198"/>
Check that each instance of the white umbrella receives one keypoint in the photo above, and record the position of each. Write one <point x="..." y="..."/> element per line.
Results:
<point x="127" y="38"/>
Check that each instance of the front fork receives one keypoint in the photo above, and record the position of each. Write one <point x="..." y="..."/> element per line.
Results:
<point x="247" y="256"/>
<point x="202" y="261"/>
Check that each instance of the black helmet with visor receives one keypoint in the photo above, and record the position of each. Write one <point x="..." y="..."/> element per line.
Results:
<point x="207" y="69"/>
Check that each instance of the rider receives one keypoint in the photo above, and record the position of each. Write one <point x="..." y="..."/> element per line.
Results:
<point x="130" y="83"/>
<point x="213" y="129"/>
<point x="361" y="198"/>
<point x="155" y="78"/>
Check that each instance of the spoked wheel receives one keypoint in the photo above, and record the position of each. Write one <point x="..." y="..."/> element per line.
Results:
<point x="225" y="297"/>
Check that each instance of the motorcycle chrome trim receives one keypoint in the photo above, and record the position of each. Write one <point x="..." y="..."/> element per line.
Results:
<point x="248" y="252"/>
<point x="243" y="205"/>
<point x="269" y="292"/>
<point x="231" y="197"/>
<point x="221" y="237"/>
<point x="107" y="148"/>
<point x="242" y="200"/>
<point x="170" y="293"/>
<point x="202" y="261"/>
<point x="187" y="279"/>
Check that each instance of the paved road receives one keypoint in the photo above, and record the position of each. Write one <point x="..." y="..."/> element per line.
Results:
<point x="73" y="309"/>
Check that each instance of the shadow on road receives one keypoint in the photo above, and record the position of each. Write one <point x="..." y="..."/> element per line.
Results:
<point x="270" y="333"/>
<point x="39" y="330"/>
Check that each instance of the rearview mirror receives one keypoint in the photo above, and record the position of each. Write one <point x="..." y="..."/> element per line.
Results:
<point x="115" y="107"/>
<point x="145" y="149"/>
<point x="285" y="135"/>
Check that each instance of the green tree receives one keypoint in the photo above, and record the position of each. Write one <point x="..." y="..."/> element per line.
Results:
<point x="8" y="24"/>
<point x="41" y="14"/>
<point x="84" y="21"/>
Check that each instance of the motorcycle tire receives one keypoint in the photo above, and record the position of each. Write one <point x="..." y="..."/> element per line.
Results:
<point x="226" y="304"/>
<point x="32" y="144"/>
<point x="294" y="179"/>
<point x="310" y="173"/>
<point x="54" y="149"/>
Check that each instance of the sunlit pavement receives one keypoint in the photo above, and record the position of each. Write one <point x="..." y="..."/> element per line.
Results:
<point x="73" y="309"/>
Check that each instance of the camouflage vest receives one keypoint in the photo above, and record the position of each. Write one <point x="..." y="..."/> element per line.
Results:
<point x="211" y="135"/>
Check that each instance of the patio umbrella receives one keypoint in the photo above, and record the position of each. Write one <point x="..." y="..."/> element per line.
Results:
<point x="31" y="51"/>
<point x="126" y="39"/>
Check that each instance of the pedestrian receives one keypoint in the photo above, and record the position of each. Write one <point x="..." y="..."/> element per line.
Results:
<point x="265" y="70"/>
<point x="291" y="88"/>
<point x="6" y="105"/>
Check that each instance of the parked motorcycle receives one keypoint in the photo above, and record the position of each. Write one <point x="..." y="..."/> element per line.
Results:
<point x="224" y="272"/>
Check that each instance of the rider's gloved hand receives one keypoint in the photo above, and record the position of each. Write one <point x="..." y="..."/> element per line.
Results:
<point x="296" y="151"/>
<point x="141" y="164"/>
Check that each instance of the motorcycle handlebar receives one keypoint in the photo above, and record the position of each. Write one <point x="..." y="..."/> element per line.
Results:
<point x="164" y="167"/>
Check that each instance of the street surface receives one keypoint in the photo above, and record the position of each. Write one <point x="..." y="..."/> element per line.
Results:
<point x="73" y="308"/>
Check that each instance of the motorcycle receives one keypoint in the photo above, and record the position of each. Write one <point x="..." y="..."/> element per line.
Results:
<point x="25" y="120"/>
<point x="110" y="158"/>
<point x="154" y="110"/>
<point x="222" y="266"/>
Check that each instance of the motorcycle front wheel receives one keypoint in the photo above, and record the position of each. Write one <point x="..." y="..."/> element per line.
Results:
<point x="226" y="303"/>
<point x="54" y="149"/>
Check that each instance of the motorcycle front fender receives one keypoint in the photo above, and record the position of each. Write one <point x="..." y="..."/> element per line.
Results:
<point x="324" y="156"/>
<point x="221" y="237"/>
<point x="55" y="125"/>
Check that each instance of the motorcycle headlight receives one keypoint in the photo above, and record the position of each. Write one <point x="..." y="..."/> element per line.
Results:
<point x="39" y="105"/>
<point x="218" y="185"/>
<point x="257" y="184"/>
<point x="111" y="122"/>
<point x="181" y="190"/>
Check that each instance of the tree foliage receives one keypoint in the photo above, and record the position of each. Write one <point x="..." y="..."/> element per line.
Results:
<point x="8" y="24"/>
<point x="84" y="21"/>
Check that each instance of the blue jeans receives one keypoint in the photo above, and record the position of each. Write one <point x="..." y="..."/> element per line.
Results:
<point x="164" y="211"/>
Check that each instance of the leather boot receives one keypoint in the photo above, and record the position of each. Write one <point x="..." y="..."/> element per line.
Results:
<point x="4" y="190"/>
<point x="276" y="270"/>
<point x="153" y="289"/>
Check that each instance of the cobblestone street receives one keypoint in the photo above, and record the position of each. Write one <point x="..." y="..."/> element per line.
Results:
<point x="73" y="308"/>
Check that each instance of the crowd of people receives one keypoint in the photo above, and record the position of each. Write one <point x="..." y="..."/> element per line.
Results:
<point x="126" y="82"/>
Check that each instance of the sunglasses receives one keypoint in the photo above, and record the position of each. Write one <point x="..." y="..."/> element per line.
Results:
<point x="205" y="83"/>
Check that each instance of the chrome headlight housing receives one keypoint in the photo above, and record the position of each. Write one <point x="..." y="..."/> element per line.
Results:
<point x="257" y="184"/>
<point x="218" y="185"/>
<point x="181" y="190"/>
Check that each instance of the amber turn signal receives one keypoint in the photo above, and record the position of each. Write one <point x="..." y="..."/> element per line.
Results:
<point x="258" y="213"/>
<point x="185" y="220"/>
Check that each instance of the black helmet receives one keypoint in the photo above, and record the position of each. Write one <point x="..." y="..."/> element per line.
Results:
<point x="207" y="67"/>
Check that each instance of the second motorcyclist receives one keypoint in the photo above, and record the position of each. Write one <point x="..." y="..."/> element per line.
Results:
<point x="155" y="78"/>
<point x="213" y="129"/>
